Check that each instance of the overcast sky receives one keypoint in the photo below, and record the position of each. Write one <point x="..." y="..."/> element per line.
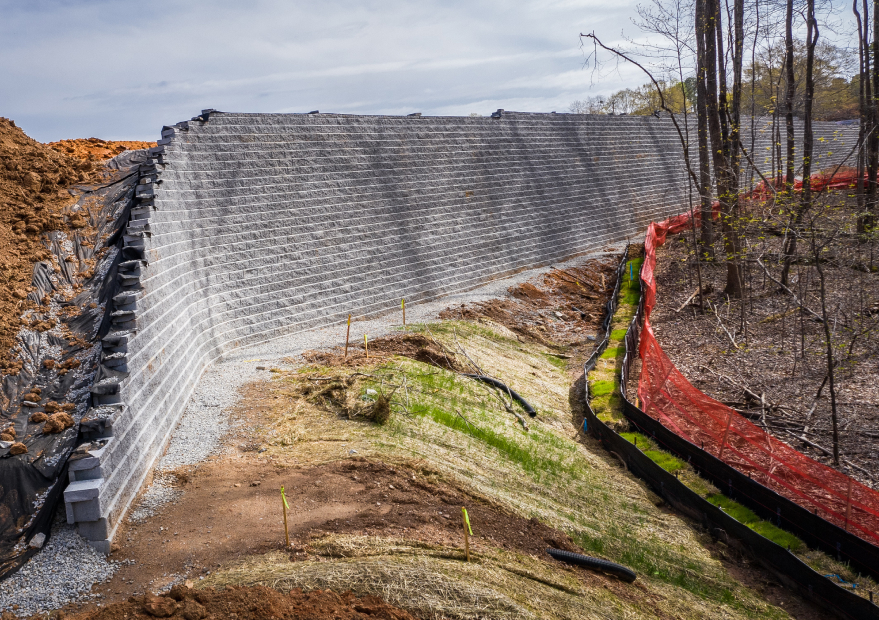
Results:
<point x="119" y="69"/>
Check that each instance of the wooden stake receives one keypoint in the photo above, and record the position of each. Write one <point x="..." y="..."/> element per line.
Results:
<point x="366" y="346"/>
<point x="403" y="304"/>
<point x="347" y="335"/>
<point x="467" y="531"/>
<point x="286" y="529"/>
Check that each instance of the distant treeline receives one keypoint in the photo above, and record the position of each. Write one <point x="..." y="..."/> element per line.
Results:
<point x="836" y="89"/>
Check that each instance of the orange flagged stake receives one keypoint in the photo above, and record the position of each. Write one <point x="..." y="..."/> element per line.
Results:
<point x="347" y="335"/>
<point x="403" y="305"/>
<point x="366" y="346"/>
<point x="285" y="506"/>
<point x="467" y="531"/>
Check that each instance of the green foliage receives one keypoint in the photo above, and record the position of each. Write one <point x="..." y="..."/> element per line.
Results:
<point x="600" y="388"/>
<point x="665" y="460"/>
<point x="556" y="361"/>
<point x="657" y="560"/>
<point x="835" y="98"/>
<point x="748" y="517"/>
<point x="734" y="509"/>
<point x="643" y="100"/>
<point x="630" y="289"/>
<point x="612" y="353"/>
<point x="618" y="334"/>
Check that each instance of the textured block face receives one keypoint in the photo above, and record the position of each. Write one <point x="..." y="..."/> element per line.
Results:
<point x="253" y="226"/>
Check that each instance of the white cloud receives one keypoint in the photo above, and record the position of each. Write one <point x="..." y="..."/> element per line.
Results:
<point x="73" y="68"/>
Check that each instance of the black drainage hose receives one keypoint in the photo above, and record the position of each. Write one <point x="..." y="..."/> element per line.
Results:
<point x="617" y="570"/>
<point x="501" y="386"/>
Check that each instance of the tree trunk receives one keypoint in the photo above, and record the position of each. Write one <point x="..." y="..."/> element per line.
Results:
<point x="873" y="139"/>
<point x="790" y="92"/>
<point x="733" y="157"/>
<point x="834" y="418"/>
<point x="790" y="240"/>
<point x="864" y="220"/>
<point x="706" y="245"/>
<point x="712" y="15"/>
<point x="808" y="135"/>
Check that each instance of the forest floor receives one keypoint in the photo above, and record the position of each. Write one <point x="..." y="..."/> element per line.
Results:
<point x="768" y="346"/>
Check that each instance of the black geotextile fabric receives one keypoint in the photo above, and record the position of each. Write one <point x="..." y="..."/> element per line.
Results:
<point x="31" y="484"/>
<point x="788" y="568"/>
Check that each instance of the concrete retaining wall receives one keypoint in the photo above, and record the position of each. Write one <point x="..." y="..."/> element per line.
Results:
<point x="252" y="226"/>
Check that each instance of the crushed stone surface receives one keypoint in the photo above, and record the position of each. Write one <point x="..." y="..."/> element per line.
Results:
<point x="63" y="572"/>
<point x="160" y="492"/>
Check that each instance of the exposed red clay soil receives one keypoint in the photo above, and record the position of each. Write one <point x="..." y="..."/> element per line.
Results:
<point x="416" y="346"/>
<point x="33" y="195"/>
<point x="231" y="507"/>
<point x="562" y="308"/>
<point x="95" y="149"/>
<point x="257" y="603"/>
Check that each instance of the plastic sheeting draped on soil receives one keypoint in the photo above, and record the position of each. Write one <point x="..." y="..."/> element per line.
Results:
<point x="59" y="365"/>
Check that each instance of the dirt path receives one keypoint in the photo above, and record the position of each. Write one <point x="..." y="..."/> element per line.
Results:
<point x="231" y="507"/>
<point x="257" y="603"/>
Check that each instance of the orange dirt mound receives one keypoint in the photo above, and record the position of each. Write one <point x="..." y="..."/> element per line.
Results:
<point x="257" y="603"/>
<point x="33" y="193"/>
<point x="563" y="307"/>
<point x="94" y="149"/>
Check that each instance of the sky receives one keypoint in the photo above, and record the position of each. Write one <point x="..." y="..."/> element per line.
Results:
<point x="120" y="70"/>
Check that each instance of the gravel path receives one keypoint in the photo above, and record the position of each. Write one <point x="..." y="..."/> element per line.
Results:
<point x="67" y="568"/>
<point x="63" y="572"/>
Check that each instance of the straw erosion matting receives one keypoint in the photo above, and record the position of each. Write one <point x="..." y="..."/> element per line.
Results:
<point x="431" y="581"/>
<point x="458" y="433"/>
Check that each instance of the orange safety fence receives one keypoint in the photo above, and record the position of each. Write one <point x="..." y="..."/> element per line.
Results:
<point x="668" y="397"/>
<point x="844" y="178"/>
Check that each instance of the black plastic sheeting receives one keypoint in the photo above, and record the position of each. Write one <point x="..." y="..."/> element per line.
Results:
<point x="788" y="568"/>
<point x="31" y="484"/>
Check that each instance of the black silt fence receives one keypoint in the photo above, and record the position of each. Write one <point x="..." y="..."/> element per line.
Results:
<point x="787" y="567"/>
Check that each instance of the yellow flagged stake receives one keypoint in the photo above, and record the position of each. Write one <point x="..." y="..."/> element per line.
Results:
<point x="366" y="346"/>
<point x="347" y="335"/>
<point x="467" y="531"/>
<point x="403" y="305"/>
<point x="286" y="529"/>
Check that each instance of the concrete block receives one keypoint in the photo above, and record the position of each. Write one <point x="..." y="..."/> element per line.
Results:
<point x="82" y="491"/>
<point x="102" y="546"/>
<point x="94" y="530"/>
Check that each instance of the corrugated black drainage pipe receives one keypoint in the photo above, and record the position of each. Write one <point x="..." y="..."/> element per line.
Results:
<point x="617" y="570"/>
<point x="500" y="385"/>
